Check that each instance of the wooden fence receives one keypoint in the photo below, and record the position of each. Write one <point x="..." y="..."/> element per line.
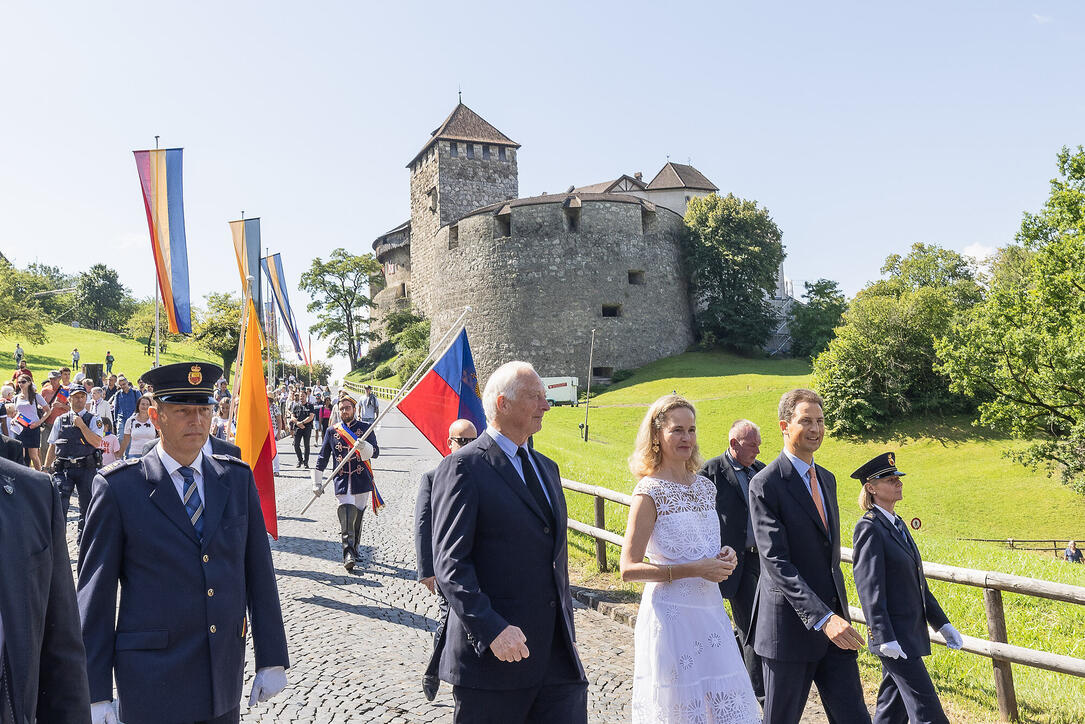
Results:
<point x="384" y="392"/>
<point x="995" y="647"/>
<point x="1055" y="545"/>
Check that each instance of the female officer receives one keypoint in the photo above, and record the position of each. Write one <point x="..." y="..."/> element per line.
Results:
<point x="896" y="601"/>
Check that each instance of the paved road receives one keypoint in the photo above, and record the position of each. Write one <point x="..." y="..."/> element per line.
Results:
<point x="359" y="642"/>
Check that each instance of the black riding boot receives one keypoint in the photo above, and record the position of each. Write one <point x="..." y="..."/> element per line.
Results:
<point x="347" y="515"/>
<point x="358" y="533"/>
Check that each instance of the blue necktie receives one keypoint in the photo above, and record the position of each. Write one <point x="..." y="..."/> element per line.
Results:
<point x="899" y="523"/>
<point x="191" y="499"/>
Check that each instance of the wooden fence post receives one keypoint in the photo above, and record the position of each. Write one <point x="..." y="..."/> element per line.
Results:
<point x="996" y="631"/>
<point x="600" y="522"/>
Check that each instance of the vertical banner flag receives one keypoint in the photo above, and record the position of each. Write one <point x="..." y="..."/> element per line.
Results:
<point x="163" y="200"/>
<point x="446" y="393"/>
<point x="254" y="431"/>
<point x="246" y="233"/>
<point x="273" y="268"/>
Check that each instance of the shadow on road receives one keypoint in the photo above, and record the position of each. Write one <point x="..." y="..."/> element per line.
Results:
<point x="384" y="613"/>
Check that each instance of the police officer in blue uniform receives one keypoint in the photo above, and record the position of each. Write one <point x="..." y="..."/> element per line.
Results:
<point x="896" y="601"/>
<point x="354" y="482"/>
<point x="74" y="452"/>
<point x="182" y="533"/>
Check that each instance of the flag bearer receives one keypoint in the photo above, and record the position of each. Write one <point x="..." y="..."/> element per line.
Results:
<point x="354" y="482"/>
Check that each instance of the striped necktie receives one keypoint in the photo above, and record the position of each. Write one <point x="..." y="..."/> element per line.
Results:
<point x="191" y="499"/>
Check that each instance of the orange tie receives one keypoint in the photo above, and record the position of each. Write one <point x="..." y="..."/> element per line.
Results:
<point x="815" y="493"/>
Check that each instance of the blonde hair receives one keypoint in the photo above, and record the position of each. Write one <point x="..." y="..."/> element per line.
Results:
<point x="646" y="459"/>
<point x="866" y="498"/>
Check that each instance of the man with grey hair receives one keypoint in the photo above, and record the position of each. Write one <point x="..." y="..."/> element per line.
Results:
<point x="731" y="473"/>
<point x="500" y="557"/>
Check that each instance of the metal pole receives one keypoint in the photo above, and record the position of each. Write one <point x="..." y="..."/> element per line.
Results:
<point x="587" y="396"/>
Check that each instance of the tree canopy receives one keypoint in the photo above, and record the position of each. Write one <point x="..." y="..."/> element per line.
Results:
<point x="102" y="302"/>
<point x="218" y="328"/>
<point x="733" y="251"/>
<point x="21" y="315"/>
<point x="339" y="288"/>
<point x="1021" y="353"/>
<point x="812" y="322"/>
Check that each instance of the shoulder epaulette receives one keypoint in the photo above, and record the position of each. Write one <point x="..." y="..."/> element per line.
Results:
<point x="228" y="459"/>
<point x="869" y="515"/>
<point x="118" y="465"/>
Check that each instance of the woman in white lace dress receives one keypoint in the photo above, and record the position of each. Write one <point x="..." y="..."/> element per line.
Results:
<point x="687" y="666"/>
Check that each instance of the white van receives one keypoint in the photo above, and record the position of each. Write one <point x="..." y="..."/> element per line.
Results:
<point x="561" y="390"/>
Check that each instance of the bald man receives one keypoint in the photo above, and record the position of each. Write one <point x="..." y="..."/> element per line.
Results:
<point x="460" y="433"/>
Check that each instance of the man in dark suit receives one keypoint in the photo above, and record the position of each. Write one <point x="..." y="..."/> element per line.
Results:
<point x="802" y="629"/>
<point x="186" y="534"/>
<point x="43" y="669"/>
<point x="731" y="474"/>
<point x="499" y="554"/>
<point x="460" y="433"/>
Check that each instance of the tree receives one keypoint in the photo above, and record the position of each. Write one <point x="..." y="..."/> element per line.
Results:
<point x="339" y="290"/>
<point x="140" y="322"/>
<point x="102" y="302"/>
<point x="21" y="315"/>
<point x="218" y="328"/>
<point x="882" y="363"/>
<point x="1021" y="354"/>
<point x="58" y="305"/>
<point x="733" y="252"/>
<point x="812" y="323"/>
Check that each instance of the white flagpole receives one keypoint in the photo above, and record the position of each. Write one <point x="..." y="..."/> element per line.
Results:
<point x="411" y="383"/>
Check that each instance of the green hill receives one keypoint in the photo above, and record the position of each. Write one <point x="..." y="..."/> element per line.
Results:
<point x="130" y="355"/>
<point x="959" y="484"/>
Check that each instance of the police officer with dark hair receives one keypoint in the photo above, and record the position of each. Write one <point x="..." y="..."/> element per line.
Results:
<point x="75" y="452"/>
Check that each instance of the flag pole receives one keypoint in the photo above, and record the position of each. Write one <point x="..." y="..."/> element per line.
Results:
<point x="412" y="381"/>
<point x="246" y="302"/>
<point x="158" y="287"/>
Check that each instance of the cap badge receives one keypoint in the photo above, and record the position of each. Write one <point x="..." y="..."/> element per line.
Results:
<point x="195" y="376"/>
<point x="892" y="460"/>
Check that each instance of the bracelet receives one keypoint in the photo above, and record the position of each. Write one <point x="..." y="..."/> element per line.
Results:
<point x="670" y="574"/>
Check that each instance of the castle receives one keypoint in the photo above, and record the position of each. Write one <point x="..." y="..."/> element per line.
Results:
<point x="540" y="273"/>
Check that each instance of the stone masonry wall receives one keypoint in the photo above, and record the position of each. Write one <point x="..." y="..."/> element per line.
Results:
<point x="538" y="293"/>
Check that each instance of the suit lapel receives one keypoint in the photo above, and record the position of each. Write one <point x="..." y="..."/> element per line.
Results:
<point x="215" y="496"/>
<point x="496" y="457"/>
<point x="164" y="495"/>
<point x="893" y="533"/>
<point x="797" y="487"/>
<point x="732" y="480"/>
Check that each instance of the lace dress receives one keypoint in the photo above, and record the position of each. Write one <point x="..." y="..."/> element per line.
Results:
<point x="687" y="665"/>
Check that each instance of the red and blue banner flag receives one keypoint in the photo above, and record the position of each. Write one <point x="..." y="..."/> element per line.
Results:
<point x="24" y="420"/>
<point x="163" y="200"/>
<point x="448" y="392"/>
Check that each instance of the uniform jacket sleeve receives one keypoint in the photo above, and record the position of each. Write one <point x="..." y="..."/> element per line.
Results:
<point x="423" y="527"/>
<point x="268" y="633"/>
<point x="325" y="455"/>
<point x="870" y="580"/>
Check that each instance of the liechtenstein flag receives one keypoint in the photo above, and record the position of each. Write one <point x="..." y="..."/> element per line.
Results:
<point x="448" y="392"/>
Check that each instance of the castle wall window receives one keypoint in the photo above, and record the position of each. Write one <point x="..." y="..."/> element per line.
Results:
<point x="607" y="372"/>
<point x="470" y="150"/>
<point x="636" y="276"/>
<point x="454" y="236"/>
<point x="612" y="310"/>
<point x="453" y="149"/>
<point x="485" y="153"/>
<point x="572" y="219"/>
<point x="502" y="226"/>
<point x="432" y="193"/>
<point x="501" y="153"/>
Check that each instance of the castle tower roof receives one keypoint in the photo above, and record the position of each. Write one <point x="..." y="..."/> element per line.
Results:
<point x="463" y="124"/>
<point x="680" y="176"/>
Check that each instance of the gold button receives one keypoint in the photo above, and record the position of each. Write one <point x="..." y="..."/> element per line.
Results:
<point x="210" y="592"/>
<point x="206" y="558"/>
<point x="213" y="629"/>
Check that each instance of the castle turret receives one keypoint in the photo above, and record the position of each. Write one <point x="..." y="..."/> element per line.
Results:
<point x="466" y="164"/>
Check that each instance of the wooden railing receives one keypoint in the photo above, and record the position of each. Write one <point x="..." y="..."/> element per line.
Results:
<point x="384" y="392"/>
<point x="995" y="647"/>
<point x="1055" y="545"/>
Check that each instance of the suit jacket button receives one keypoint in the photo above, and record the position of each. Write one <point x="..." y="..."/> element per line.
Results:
<point x="553" y="604"/>
<point x="213" y="629"/>
<point x="546" y="529"/>
<point x="210" y="592"/>
<point x="206" y="558"/>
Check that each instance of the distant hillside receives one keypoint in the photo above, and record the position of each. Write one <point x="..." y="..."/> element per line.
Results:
<point x="57" y="352"/>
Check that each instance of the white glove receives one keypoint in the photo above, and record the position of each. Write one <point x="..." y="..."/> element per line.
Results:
<point x="952" y="636"/>
<point x="365" y="450"/>
<point x="268" y="682"/>
<point x="318" y="478"/>
<point x="101" y="712"/>
<point x="892" y="650"/>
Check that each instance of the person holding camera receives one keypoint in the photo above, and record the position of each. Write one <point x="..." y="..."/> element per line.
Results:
<point x="75" y="452"/>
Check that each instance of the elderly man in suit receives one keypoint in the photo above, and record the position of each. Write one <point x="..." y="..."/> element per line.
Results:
<point x="183" y="535"/>
<point x="460" y="432"/>
<point x="43" y="669"/>
<point x="499" y="554"/>
<point x="731" y="474"/>
<point x="802" y="630"/>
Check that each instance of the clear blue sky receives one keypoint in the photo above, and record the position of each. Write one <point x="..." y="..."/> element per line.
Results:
<point x="862" y="127"/>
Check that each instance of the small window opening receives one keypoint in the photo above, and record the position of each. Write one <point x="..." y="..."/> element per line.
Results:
<point x="602" y="372"/>
<point x="453" y="236"/>
<point x="432" y="193"/>
<point x="572" y="219"/>
<point x="636" y="277"/>
<point x="502" y="226"/>
<point x="454" y="149"/>
<point x="485" y="153"/>
<point x="470" y="150"/>
<point x="612" y="310"/>
<point x="501" y="153"/>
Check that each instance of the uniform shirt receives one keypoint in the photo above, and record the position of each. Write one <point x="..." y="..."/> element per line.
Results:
<point x="509" y="448"/>
<point x="172" y="466"/>
<point x="300" y="411"/>
<point x="95" y="426"/>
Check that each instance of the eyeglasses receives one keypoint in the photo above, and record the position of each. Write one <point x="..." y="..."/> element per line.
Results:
<point x="461" y="440"/>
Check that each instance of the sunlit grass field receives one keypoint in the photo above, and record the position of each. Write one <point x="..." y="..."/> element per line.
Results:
<point x="959" y="484"/>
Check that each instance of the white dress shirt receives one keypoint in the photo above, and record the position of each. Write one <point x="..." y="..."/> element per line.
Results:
<point x="172" y="467"/>
<point x="509" y="448"/>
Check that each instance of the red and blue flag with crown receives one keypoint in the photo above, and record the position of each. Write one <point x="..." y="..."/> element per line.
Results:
<point x="448" y="392"/>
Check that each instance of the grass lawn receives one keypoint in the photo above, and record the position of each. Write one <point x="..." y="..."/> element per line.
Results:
<point x="959" y="484"/>
<point x="129" y="354"/>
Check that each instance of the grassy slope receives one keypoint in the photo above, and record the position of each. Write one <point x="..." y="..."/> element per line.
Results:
<point x="57" y="352"/>
<point x="958" y="483"/>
